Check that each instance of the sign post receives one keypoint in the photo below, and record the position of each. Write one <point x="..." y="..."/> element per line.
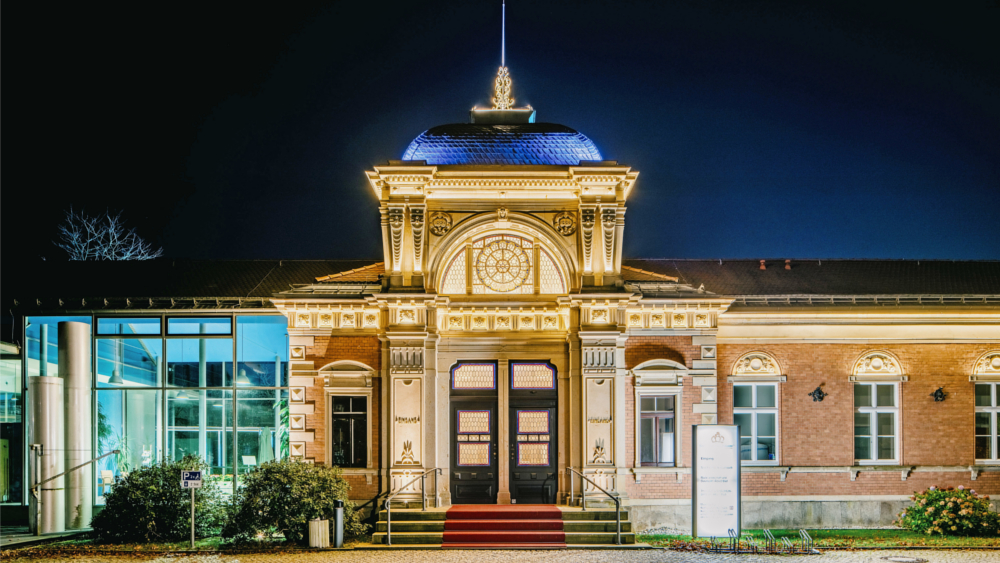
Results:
<point x="191" y="480"/>
<point x="715" y="483"/>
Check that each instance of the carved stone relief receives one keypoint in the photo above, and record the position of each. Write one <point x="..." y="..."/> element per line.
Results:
<point x="440" y="223"/>
<point x="988" y="364"/>
<point x="599" y="428"/>
<point x="417" y="226"/>
<point x="877" y="363"/>
<point x="756" y="363"/>
<point x="406" y="401"/>
<point x="608" y="225"/>
<point x="565" y="223"/>
<point x="396" y="221"/>
<point x="587" y="221"/>
<point x="679" y="320"/>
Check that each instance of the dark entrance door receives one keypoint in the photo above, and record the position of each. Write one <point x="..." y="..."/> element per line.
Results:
<point x="473" y="412"/>
<point x="532" y="455"/>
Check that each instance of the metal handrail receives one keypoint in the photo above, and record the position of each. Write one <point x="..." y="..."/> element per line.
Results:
<point x="423" y="499"/>
<point x="618" y="502"/>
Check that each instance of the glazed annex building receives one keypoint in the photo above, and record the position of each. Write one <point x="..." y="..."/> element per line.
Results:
<point x="503" y="338"/>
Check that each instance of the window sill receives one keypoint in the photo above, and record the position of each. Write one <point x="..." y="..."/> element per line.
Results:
<point x="638" y="472"/>
<point x="748" y="464"/>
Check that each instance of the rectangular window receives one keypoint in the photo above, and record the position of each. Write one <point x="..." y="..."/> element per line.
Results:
<point x="349" y="431"/>
<point x="121" y="326"/>
<point x="755" y="411"/>
<point x="199" y="362"/>
<point x="656" y="431"/>
<point x="987" y="422"/>
<point x="200" y="325"/>
<point x="876" y="422"/>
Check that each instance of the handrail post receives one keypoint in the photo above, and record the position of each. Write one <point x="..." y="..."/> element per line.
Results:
<point x="572" y="486"/>
<point x="388" y="524"/>
<point x="618" y="516"/>
<point x="423" y="492"/>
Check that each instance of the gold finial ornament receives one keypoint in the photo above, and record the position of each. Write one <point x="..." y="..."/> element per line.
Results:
<point x="502" y="99"/>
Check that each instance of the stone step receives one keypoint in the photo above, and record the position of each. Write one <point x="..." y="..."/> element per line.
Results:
<point x="426" y="538"/>
<point x="437" y="526"/>
<point x="439" y="514"/>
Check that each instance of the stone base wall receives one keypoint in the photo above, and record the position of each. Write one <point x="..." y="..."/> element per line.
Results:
<point x="780" y="513"/>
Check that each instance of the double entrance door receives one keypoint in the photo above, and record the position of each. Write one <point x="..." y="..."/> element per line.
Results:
<point x="526" y="451"/>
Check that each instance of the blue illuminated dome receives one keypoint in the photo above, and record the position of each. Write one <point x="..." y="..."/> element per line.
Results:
<point x="520" y="143"/>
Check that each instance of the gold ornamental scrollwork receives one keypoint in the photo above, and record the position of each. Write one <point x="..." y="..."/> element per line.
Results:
<point x="565" y="223"/>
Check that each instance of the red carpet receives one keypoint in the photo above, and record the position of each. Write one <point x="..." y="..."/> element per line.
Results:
<point x="525" y="526"/>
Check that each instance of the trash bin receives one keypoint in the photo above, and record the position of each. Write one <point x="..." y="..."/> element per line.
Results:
<point x="319" y="533"/>
<point x="338" y="523"/>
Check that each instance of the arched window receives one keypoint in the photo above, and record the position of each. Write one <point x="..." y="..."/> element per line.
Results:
<point x="503" y="264"/>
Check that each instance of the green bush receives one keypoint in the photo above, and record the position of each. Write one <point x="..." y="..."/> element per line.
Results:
<point x="149" y="505"/>
<point x="951" y="512"/>
<point x="283" y="496"/>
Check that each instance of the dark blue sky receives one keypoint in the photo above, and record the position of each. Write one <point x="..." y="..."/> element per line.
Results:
<point x="760" y="129"/>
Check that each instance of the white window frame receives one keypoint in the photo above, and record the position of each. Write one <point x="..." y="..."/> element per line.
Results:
<point x="994" y="411"/>
<point x="352" y="379"/>
<point x="754" y="411"/>
<point x="658" y="378"/>
<point x="872" y="412"/>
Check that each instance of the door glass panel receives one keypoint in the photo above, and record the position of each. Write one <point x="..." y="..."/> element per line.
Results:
<point x="532" y="454"/>
<point x="474" y="454"/>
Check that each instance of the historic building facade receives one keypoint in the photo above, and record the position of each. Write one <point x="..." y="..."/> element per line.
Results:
<point x="504" y="339"/>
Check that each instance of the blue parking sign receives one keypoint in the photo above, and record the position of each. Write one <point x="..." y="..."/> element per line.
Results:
<point x="190" y="479"/>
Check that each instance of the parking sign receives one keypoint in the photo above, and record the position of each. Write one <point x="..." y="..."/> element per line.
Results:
<point x="191" y="479"/>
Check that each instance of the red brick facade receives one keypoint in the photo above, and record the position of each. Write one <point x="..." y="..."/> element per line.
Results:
<point x="362" y="349"/>
<point x="820" y="434"/>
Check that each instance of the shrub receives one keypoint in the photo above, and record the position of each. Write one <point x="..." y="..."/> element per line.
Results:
<point x="149" y="505"/>
<point x="950" y="512"/>
<point x="283" y="496"/>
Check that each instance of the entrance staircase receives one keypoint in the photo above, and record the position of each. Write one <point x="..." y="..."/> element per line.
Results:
<point x="522" y="526"/>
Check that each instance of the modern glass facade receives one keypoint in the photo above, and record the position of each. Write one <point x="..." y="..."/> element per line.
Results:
<point x="169" y="386"/>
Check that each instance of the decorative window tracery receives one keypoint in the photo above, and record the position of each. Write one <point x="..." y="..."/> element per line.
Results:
<point x="503" y="264"/>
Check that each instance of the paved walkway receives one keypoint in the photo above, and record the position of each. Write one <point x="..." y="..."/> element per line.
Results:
<point x="574" y="556"/>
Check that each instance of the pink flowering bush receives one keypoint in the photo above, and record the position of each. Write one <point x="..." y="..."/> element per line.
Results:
<point x="950" y="512"/>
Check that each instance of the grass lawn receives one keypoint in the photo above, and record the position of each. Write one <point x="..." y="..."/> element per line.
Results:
<point x="84" y="546"/>
<point x="849" y="538"/>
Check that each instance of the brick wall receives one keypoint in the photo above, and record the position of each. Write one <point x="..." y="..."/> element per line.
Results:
<point x="329" y="349"/>
<point x="821" y="433"/>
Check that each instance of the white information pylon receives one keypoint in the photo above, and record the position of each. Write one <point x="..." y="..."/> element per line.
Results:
<point x="715" y="482"/>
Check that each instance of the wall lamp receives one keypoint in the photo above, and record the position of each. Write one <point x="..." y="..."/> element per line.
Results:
<point x="818" y="395"/>
<point x="939" y="394"/>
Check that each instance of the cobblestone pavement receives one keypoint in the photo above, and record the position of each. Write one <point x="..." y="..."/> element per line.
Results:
<point x="567" y="556"/>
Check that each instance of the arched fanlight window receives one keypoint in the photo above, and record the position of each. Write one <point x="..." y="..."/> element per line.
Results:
<point x="503" y="264"/>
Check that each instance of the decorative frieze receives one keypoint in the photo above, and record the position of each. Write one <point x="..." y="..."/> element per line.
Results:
<point x="406" y="359"/>
<point x="598" y="359"/>
<point x="487" y="319"/>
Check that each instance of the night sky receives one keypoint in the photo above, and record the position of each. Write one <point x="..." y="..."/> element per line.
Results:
<point x="760" y="129"/>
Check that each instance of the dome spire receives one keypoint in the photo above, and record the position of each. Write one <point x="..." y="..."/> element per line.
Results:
<point x="501" y="90"/>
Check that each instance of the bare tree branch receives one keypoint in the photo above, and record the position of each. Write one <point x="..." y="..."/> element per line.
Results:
<point x="103" y="237"/>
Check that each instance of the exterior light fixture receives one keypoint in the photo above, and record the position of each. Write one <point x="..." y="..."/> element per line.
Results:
<point x="818" y="395"/>
<point x="116" y="378"/>
<point x="939" y="394"/>
<point x="242" y="378"/>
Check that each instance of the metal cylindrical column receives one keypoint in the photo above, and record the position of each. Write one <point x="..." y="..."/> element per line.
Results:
<point x="43" y="350"/>
<point x="74" y="369"/>
<point x="202" y="397"/>
<point x="47" y="429"/>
